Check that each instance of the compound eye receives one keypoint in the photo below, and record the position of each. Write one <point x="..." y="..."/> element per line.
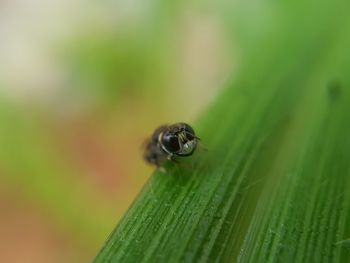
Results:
<point x="171" y="143"/>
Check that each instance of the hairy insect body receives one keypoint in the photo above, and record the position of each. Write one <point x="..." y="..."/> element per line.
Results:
<point x="153" y="153"/>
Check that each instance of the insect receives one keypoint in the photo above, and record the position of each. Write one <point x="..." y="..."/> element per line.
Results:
<point x="169" y="141"/>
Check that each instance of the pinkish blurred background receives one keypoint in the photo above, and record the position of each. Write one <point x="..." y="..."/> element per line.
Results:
<point x="82" y="84"/>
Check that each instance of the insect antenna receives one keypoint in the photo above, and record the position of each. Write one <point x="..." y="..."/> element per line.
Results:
<point x="194" y="136"/>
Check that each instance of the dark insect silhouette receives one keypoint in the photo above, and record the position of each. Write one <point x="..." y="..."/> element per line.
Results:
<point x="170" y="141"/>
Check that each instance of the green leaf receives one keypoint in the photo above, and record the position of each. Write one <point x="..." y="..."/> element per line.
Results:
<point x="274" y="185"/>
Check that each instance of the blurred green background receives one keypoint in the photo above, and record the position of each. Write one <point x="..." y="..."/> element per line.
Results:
<point x="82" y="85"/>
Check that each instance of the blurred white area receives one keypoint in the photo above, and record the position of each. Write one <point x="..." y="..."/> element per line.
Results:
<point x="26" y="29"/>
<point x="31" y="31"/>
